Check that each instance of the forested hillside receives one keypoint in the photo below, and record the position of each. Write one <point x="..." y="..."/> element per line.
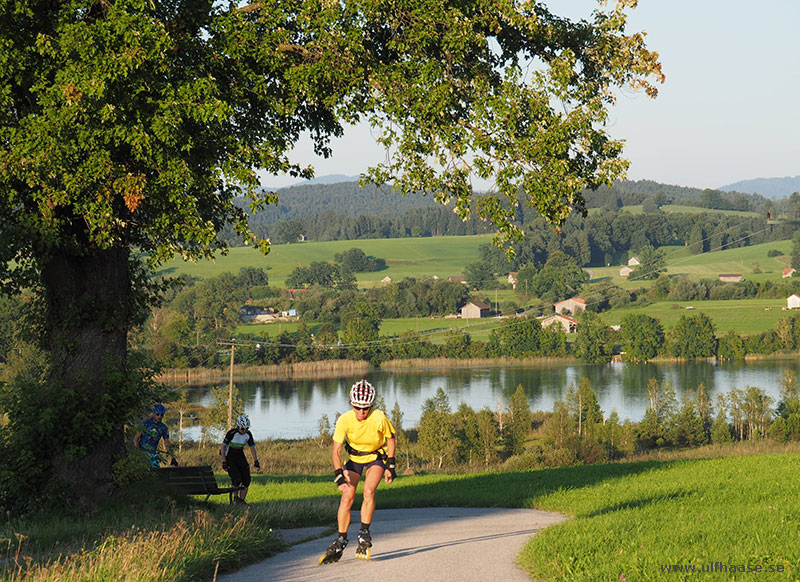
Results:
<point x="346" y="211"/>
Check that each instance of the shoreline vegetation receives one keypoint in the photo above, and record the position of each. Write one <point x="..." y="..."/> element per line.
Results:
<point x="340" y="368"/>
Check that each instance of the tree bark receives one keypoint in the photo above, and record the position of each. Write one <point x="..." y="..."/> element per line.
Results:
<point x="89" y="306"/>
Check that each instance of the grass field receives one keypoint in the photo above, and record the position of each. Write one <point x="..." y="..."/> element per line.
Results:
<point x="641" y="521"/>
<point x="629" y="521"/>
<point x="444" y="256"/>
<point x="709" y="265"/>
<point x="744" y="316"/>
<point x="675" y="208"/>
<point x="434" y="329"/>
<point x="405" y="257"/>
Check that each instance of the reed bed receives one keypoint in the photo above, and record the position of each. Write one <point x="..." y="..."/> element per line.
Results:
<point x="432" y="363"/>
<point x="316" y="369"/>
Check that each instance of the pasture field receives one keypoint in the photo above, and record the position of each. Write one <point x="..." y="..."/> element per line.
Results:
<point x="744" y="316"/>
<point x="673" y="521"/>
<point x="442" y="256"/>
<point x="631" y="521"/>
<point x="434" y="329"/>
<point x="709" y="265"/>
<point x="445" y="256"/>
<point x="677" y="208"/>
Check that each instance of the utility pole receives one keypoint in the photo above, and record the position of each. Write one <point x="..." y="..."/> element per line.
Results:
<point x="230" y="387"/>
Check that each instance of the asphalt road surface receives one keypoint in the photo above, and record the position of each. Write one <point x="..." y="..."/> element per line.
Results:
<point x="409" y="545"/>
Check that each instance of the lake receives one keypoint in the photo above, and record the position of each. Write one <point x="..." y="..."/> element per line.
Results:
<point x="292" y="408"/>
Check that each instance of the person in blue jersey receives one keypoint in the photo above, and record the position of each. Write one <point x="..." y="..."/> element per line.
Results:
<point x="233" y="458"/>
<point x="152" y="431"/>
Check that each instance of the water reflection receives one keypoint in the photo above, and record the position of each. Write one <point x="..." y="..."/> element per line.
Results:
<point x="292" y="408"/>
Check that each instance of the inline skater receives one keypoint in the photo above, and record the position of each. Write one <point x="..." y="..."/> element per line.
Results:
<point x="233" y="459"/>
<point x="369" y="439"/>
<point x="151" y="431"/>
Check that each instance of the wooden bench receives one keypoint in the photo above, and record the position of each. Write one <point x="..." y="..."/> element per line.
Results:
<point x="198" y="480"/>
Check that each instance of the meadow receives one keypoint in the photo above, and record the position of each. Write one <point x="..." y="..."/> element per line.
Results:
<point x="680" y="262"/>
<point x="434" y="329"/>
<point x="744" y="316"/>
<point x="442" y="256"/>
<point x="630" y="521"/>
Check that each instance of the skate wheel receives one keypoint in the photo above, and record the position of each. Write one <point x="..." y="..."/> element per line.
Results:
<point x="326" y="559"/>
<point x="363" y="554"/>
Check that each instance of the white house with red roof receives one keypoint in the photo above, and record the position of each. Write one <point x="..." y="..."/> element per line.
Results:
<point x="569" y="324"/>
<point x="573" y="306"/>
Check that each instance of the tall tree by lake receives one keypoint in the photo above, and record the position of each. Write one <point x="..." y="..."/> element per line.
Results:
<point x="135" y="125"/>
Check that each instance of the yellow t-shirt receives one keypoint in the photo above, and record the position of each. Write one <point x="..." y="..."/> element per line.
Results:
<point x="367" y="436"/>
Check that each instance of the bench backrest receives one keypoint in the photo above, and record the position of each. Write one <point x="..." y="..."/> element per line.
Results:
<point x="199" y="479"/>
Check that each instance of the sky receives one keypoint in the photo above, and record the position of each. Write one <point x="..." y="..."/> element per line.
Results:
<point x="728" y="111"/>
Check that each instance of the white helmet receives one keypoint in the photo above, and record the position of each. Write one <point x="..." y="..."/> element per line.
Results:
<point x="362" y="394"/>
<point x="242" y="421"/>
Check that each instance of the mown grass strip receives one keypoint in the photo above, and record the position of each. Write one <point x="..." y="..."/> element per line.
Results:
<point x="738" y="512"/>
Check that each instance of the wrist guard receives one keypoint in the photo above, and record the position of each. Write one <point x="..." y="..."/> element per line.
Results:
<point x="390" y="464"/>
<point x="338" y="477"/>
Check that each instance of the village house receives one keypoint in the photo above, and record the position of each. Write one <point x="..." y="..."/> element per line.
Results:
<point x="634" y="262"/>
<point x="730" y="277"/>
<point x="793" y="301"/>
<point x="386" y="279"/>
<point x="474" y="310"/>
<point x="257" y="314"/>
<point x="512" y="279"/>
<point x="788" y="272"/>
<point x="567" y="323"/>
<point x="625" y="271"/>
<point x="573" y="306"/>
<point x="458" y="278"/>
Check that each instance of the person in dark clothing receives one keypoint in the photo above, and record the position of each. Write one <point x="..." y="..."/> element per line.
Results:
<point x="233" y="458"/>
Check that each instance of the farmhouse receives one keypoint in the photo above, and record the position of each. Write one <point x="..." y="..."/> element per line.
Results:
<point x="512" y="279"/>
<point x="458" y="278"/>
<point x="567" y="323"/>
<point x="386" y="279"/>
<point x="573" y="306"/>
<point x="787" y="273"/>
<point x="634" y="262"/>
<point x="793" y="301"/>
<point x="625" y="271"/>
<point x="730" y="277"/>
<point x="474" y="310"/>
<point x="257" y="314"/>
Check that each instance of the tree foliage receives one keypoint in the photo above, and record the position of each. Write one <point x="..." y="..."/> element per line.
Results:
<point x="693" y="337"/>
<point x="642" y="337"/>
<point x="138" y="124"/>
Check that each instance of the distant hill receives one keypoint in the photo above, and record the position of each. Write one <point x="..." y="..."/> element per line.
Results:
<point x="347" y="198"/>
<point x="342" y="197"/>
<point x="769" y="187"/>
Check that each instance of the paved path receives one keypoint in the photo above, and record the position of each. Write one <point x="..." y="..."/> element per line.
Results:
<point x="437" y="544"/>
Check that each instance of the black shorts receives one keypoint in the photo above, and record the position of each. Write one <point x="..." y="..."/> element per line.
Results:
<point x="239" y="471"/>
<point x="357" y="467"/>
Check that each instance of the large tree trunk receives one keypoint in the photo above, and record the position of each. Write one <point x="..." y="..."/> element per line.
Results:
<point x="88" y="310"/>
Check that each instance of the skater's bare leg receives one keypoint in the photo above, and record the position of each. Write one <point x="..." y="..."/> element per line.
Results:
<point x="348" y="489"/>
<point x="373" y="477"/>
